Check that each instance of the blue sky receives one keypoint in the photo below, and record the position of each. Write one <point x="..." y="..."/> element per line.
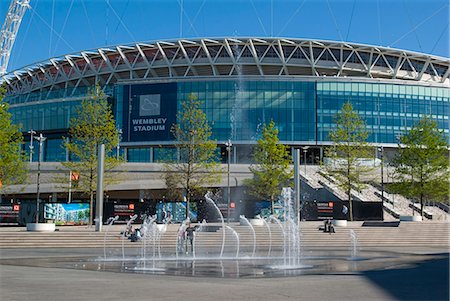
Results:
<point x="418" y="25"/>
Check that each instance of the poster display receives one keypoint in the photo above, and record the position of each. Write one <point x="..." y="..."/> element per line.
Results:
<point x="9" y="214"/>
<point x="67" y="214"/>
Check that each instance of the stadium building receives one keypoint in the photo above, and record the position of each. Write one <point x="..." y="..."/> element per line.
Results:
<point x="242" y="83"/>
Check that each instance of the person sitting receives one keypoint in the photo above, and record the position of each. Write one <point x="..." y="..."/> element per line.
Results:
<point x="325" y="226"/>
<point x="331" y="227"/>
<point x="128" y="231"/>
<point x="136" y="235"/>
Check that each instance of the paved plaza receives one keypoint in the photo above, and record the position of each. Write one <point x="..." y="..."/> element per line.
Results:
<point x="427" y="281"/>
<point x="28" y="273"/>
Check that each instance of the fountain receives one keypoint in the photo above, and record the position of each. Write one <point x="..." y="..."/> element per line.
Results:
<point x="218" y="248"/>
<point x="109" y="223"/>
<point x="246" y="222"/>
<point x="353" y="245"/>
<point x="292" y="230"/>
<point x="288" y="256"/>
<point x="269" y="232"/>
<point x="209" y="200"/>
<point x="181" y="239"/>
<point x="124" y="233"/>
<point x="236" y="236"/>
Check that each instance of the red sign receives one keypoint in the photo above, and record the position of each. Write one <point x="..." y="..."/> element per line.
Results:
<point x="75" y="176"/>
<point x="232" y="205"/>
<point x="330" y="204"/>
<point x="131" y="206"/>
<point x="16" y="208"/>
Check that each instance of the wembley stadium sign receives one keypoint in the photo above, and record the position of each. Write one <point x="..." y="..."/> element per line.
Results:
<point x="150" y="112"/>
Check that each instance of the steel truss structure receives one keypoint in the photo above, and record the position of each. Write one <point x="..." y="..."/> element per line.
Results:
<point x="9" y="30"/>
<point x="219" y="58"/>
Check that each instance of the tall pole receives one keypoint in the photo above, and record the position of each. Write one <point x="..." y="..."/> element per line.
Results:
<point x="99" y="194"/>
<point x="305" y="150"/>
<point x="228" y="144"/>
<point x="31" y="132"/>
<point x="297" y="182"/>
<point x="69" y="199"/>
<point x="382" y="173"/>
<point x="118" y="144"/>
<point x="41" y="140"/>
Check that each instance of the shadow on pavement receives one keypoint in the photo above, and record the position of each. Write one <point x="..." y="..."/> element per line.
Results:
<point x="426" y="280"/>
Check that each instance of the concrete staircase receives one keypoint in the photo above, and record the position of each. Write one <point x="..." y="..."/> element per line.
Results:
<point x="408" y="234"/>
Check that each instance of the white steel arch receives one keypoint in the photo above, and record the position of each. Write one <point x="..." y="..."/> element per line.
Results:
<point x="9" y="30"/>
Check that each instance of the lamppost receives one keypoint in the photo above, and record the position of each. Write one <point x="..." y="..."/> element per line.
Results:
<point x="305" y="150"/>
<point x="228" y="144"/>
<point x="41" y="140"/>
<point x="190" y="160"/>
<point x="297" y="182"/>
<point x="31" y="132"/>
<point x="120" y="132"/>
<point x="381" y="150"/>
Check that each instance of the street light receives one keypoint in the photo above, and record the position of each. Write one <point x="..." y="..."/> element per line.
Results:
<point x="41" y="140"/>
<point x="381" y="150"/>
<point x="120" y="132"/>
<point x="31" y="132"/>
<point x="228" y="144"/>
<point x="305" y="150"/>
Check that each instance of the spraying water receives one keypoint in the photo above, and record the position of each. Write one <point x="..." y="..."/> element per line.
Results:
<point x="354" y="244"/>
<point x="180" y="245"/>
<point x="148" y="234"/>
<point x="131" y="220"/>
<point x="109" y="223"/>
<point x="208" y="199"/>
<point x="278" y="222"/>
<point x="292" y="230"/>
<point x="196" y="234"/>
<point x="243" y="218"/>
<point x="269" y="232"/>
<point x="236" y="236"/>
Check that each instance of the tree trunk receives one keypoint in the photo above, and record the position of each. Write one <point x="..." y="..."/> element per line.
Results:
<point x="350" y="204"/>
<point x="349" y="188"/>
<point x="421" y="205"/>
<point x="272" y="201"/>
<point x="188" y="199"/>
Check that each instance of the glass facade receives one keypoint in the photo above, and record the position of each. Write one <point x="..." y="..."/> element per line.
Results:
<point x="138" y="154"/>
<point x="389" y="110"/>
<point x="303" y="111"/>
<point x="237" y="110"/>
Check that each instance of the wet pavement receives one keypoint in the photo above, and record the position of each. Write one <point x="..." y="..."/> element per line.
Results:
<point x="82" y="274"/>
<point x="312" y="263"/>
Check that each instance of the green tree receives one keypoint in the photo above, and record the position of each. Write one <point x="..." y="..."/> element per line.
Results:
<point x="271" y="170"/>
<point x="197" y="165"/>
<point x="422" y="163"/>
<point x="93" y="125"/>
<point x="12" y="167"/>
<point x="346" y="156"/>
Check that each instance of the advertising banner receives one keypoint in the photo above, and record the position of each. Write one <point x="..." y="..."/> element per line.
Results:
<point x="149" y="111"/>
<point x="9" y="214"/>
<point x="67" y="214"/>
<point x="124" y="210"/>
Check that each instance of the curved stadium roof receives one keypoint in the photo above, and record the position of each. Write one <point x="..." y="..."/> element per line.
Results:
<point x="218" y="58"/>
